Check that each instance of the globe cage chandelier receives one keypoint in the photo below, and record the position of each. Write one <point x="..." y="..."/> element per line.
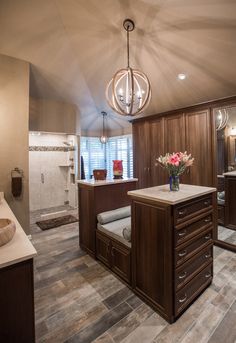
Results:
<point x="103" y="138"/>
<point x="128" y="92"/>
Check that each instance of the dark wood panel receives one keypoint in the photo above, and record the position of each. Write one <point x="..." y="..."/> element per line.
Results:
<point x="121" y="260"/>
<point x="152" y="254"/>
<point x="174" y="133"/>
<point x="199" y="144"/>
<point x="87" y="223"/>
<point x="141" y="154"/>
<point x="17" y="303"/>
<point x="230" y="202"/>
<point x="103" y="248"/>
<point x="110" y="197"/>
<point x="156" y="174"/>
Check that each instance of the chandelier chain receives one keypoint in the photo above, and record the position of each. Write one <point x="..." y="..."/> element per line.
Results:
<point x="128" y="47"/>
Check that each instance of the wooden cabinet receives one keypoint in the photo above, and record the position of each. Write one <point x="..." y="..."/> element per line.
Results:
<point x="191" y="132"/>
<point x="17" y="303"/>
<point x="172" y="251"/>
<point x="199" y="143"/>
<point x="141" y="153"/>
<point x="148" y="141"/>
<point x="114" y="255"/>
<point x="97" y="197"/>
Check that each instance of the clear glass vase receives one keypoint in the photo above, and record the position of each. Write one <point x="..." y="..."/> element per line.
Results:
<point x="174" y="183"/>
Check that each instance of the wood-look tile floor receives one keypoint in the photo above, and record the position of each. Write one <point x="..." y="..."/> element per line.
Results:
<point x="78" y="300"/>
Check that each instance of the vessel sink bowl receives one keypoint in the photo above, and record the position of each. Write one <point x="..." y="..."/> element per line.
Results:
<point x="7" y="230"/>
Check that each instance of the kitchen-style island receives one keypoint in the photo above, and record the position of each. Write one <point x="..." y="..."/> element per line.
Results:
<point x="172" y="243"/>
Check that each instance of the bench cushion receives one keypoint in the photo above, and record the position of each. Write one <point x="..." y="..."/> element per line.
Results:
<point x="115" y="229"/>
<point x="114" y="215"/>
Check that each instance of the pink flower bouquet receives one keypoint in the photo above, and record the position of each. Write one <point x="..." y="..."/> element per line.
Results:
<point x="175" y="164"/>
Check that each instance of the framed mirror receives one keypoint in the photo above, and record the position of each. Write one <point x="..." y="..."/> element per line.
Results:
<point x="225" y="125"/>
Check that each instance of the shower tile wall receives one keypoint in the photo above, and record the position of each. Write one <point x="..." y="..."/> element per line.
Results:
<point x="49" y="177"/>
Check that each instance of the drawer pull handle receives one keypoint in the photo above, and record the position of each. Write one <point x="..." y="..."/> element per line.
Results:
<point x="208" y="255"/>
<point x="183" y="253"/>
<point x="182" y="300"/>
<point x="183" y="233"/>
<point x="181" y="213"/>
<point x="183" y="276"/>
<point x="207" y="275"/>
<point x="208" y="236"/>
<point x="207" y="220"/>
<point x="207" y="203"/>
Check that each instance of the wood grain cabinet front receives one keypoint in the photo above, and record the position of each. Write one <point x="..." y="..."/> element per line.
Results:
<point x="114" y="255"/>
<point x="172" y="253"/>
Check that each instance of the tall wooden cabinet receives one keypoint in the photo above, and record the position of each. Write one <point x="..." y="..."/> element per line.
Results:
<point x="191" y="132"/>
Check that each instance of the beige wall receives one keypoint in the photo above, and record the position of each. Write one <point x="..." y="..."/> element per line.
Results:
<point x="14" y="121"/>
<point x="53" y="116"/>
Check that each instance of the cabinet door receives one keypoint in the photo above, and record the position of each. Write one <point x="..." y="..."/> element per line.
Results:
<point x="103" y="248"/>
<point x="156" y="174"/>
<point x="120" y="261"/>
<point x="141" y="158"/>
<point x="174" y="133"/>
<point x="198" y="143"/>
<point x="175" y="138"/>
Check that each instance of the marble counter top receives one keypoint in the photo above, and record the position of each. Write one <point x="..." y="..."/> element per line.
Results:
<point x="19" y="248"/>
<point x="104" y="182"/>
<point x="163" y="194"/>
<point x="232" y="173"/>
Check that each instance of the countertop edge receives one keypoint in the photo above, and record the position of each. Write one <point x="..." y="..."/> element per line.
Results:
<point x="104" y="182"/>
<point x="9" y="255"/>
<point x="156" y="199"/>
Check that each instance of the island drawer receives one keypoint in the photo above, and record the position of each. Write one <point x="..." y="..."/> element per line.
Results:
<point x="189" y="269"/>
<point x="185" y="232"/>
<point x="193" y="288"/>
<point x="193" y="246"/>
<point x="193" y="208"/>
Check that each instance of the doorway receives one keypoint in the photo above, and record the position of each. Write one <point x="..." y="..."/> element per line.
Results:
<point x="53" y="169"/>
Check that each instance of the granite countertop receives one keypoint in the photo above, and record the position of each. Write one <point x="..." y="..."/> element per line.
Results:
<point x="163" y="194"/>
<point x="232" y="173"/>
<point x="92" y="182"/>
<point x="19" y="248"/>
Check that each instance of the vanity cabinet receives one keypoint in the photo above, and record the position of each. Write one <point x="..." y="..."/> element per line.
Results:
<point x="172" y="240"/>
<point x="181" y="131"/>
<point x="17" y="303"/>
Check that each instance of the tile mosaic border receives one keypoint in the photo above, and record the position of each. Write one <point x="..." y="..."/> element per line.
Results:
<point x="51" y="148"/>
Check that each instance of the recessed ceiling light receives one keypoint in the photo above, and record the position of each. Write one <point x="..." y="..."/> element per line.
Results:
<point x="181" y="76"/>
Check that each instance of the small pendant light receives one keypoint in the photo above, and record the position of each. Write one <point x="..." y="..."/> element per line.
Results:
<point x="103" y="138"/>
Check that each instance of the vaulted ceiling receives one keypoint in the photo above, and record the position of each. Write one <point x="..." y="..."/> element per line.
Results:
<point x="75" y="46"/>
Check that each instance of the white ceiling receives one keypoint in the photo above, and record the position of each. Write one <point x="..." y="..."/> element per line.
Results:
<point x="75" y="46"/>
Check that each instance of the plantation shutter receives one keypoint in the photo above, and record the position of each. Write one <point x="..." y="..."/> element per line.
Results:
<point x="100" y="156"/>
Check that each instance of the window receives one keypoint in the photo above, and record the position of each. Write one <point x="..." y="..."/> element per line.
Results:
<point x="100" y="156"/>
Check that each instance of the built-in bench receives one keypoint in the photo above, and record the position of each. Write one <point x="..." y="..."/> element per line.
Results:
<point x="113" y="246"/>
